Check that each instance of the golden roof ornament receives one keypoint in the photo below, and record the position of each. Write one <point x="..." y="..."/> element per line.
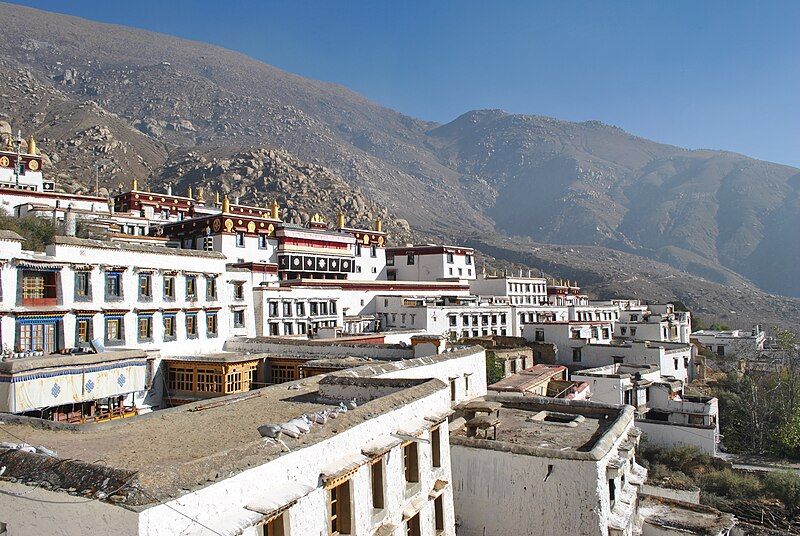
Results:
<point x="201" y="195"/>
<point x="317" y="218"/>
<point x="340" y="220"/>
<point x="379" y="225"/>
<point x="226" y="205"/>
<point x="134" y="185"/>
<point x="191" y="193"/>
<point x="276" y="214"/>
<point x="32" y="145"/>
<point x="9" y="144"/>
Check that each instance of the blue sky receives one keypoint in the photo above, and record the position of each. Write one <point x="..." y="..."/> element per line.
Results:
<point x="699" y="74"/>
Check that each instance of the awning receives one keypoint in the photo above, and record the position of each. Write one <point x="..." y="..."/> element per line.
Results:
<point x="41" y="266"/>
<point x="380" y="446"/>
<point x="386" y="529"/>
<point x="337" y="472"/>
<point x="278" y="498"/>
<point x="438" y="488"/>
<point x="413" y="508"/>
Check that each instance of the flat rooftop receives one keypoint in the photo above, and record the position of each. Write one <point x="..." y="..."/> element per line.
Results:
<point x="683" y="516"/>
<point x="154" y="456"/>
<point x="546" y="427"/>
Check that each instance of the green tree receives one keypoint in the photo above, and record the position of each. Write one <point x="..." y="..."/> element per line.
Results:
<point x="37" y="232"/>
<point x="784" y="486"/>
<point x="495" y="370"/>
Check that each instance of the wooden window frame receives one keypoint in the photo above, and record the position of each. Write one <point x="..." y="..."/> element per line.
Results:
<point x="377" y="479"/>
<point x="411" y="462"/>
<point x="436" y="446"/>
<point x="339" y="511"/>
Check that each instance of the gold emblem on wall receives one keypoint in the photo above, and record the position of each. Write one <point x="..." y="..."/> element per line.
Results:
<point x="4" y="161"/>
<point x="381" y="240"/>
<point x="251" y="227"/>
<point x="33" y="165"/>
<point x="270" y="229"/>
<point x="229" y="225"/>
<point x="366" y="239"/>
<point x="216" y="226"/>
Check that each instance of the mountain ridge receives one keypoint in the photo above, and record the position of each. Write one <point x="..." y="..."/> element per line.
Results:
<point x="138" y="101"/>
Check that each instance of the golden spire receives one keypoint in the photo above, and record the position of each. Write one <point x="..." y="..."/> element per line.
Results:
<point x="226" y="205"/>
<point x="190" y="196"/>
<point x="379" y="225"/>
<point x="134" y="185"/>
<point x="317" y="218"/>
<point x="340" y="220"/>
<point x="276" y="211"/>
<point x="201" y="195"/>
<point x="32" y="145"/>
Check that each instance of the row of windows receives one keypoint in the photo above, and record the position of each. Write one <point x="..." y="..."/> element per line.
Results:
<point x="536" y="288"/>
<point x="473" y="320"/>
<point x="484" y="332"/>
<point x="373" y="251"/>
<point x="115" y="328"/>
<point x="114" y="288"/>
<point x="321" y="308"/>
<point x="585" y="316"/>
<point x="211" y="380"/>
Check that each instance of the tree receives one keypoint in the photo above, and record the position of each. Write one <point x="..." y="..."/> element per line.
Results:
<point x="784" y="486"/>
<point x="37" y="232"/>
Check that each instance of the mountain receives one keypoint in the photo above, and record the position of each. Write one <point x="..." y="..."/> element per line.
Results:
<point x="126" y="103"/>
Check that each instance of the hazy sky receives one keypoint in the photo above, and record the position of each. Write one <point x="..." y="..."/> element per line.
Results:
<point x="699" y="74"/>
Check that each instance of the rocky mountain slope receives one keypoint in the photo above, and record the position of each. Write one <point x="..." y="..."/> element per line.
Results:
<point x="128" y="103"/>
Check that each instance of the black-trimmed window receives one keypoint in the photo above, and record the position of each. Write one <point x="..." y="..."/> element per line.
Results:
<point x="169" y="288"/>
<point x="83" y="330"/>
<point x="83" y="286"/>
<point x="373" y="251"/>
<point x="144" y="328"/>
<point x="114" y="331"/>
<point x="263" y="241"/>
<point x="238" y="318"/>
<point x="211" y="324"/>
<point x="191" y="325"/>
<point x="145" y="287"/>
<point x="191" y="287"/>
<point x="239" y="239"/>
<point x="238" y="291"/>
<point x="450" y="258"/>
<point x="114" y="286"/>
<point x="410" y="259"/>
<point x="211" y="288"/>
<point x="169" y="327"/>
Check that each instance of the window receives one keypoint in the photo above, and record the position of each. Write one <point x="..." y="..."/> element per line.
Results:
<point x="234" y="382"/>
<point x="113" y="285"/>
<point x="373" y="251"/>
<point x="720" y="350"/>
<point x="114" y="331"/>
<point x="287" y="328"/>
<point x="240" y="239"/>
<point x="376" y="476"/>
<point x="453" y="388"/>
<point x="145" y="332"/>
<point x="209" y="380"/>
<point x="300" y="308"/>
<point x="466" y="383"/>
<point x="576" y="355"/>
<point x="211" y="324"/>
<point x="618" y="359"/>
<point x="287" y="308"/>
<point x="169" y="287"/>
<point x="410" y="259"/>
<point x="211" y="288"/>
<point x="412" y="526"/>
<point x="436" y="446"/>
<point x="575" y="334"/>
<point x="411" y="462"/>
<point x="145" y="291"/>
<point x="191" y="325"/>
<point x="208" y="243"/>
<point x="339" y="508"/>
<point x="180" y="379"/>
<point x="449" y="258"/>
<point x="468" y="259"/>
<point x="238" y="291"/>
<point x="539" y="336"/>
<point x="273" y="527"/>
<point x="675" y="363"/>
<point x="40" y="337"/>
<point x="191" y="287"/>
<point x="452" y="320"/>
<point x="273" y="309"/>
<point x="169" y="327"/>
<point x="633" y="332"/>
<point x="83" y="289"/>
<point x="83" y="330"/>
<point x="390" y="259"/>
<point x="262" y="241"/>
<point x="624" y="331"/>
<point x="238" y="319"/>
<point x="438" y="513"/>
<point x="358" y="250"/>
<point x="612" y="491"/>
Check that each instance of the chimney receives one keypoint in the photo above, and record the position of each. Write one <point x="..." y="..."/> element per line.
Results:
<point x="70" y="222"/>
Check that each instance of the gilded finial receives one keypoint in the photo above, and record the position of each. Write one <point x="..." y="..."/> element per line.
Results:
<point x="226" y="205"/>
<point x="32" y="145"/>
<point x="317" y="218"/>
<point x="201" y="195"/>
<point x="340" y="220"/>
<point x="191" y="193"/>
<point x="379" y="225"/>
<point x="134" y="184"/>
<point x="9" y="144"/>
<point x="276" y="211"/>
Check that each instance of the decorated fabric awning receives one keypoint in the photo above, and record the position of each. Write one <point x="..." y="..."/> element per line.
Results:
<point x="380" y="446"/>
<point x="40" y="266"/>
<point x="45" y="318"/>
<point x="337" y="472"/>
<point x="278" y="498"/>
